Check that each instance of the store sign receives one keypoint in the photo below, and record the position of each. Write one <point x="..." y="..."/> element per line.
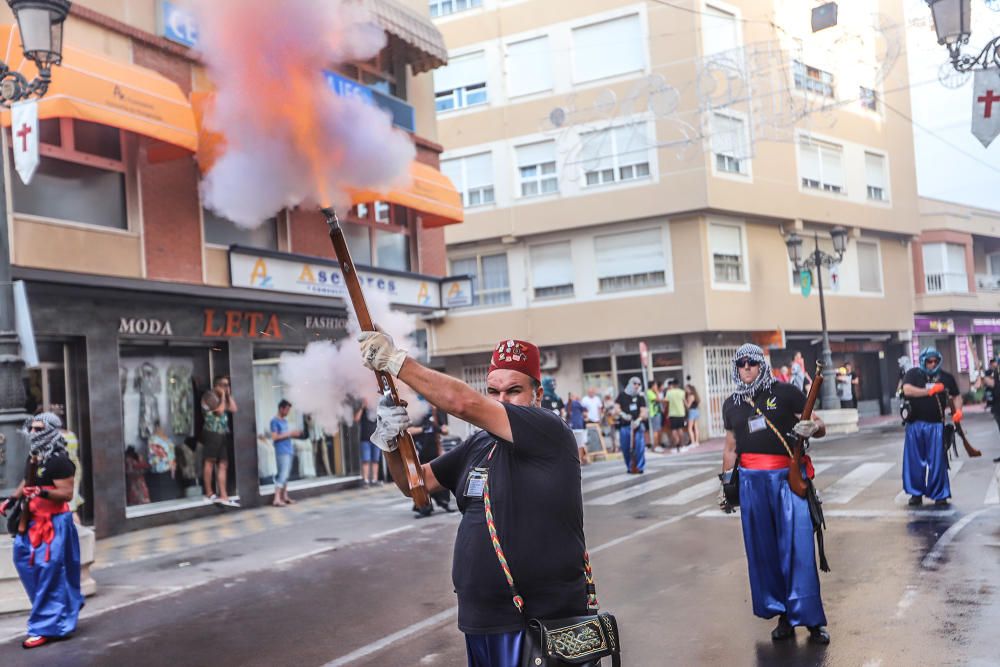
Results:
<point x="956" y="325"/>
<point x="144" y="326"/>
<point x="178" y="24"/>
<point x="326" y="323"/>
<point x="318" y="278"/>
<point x="962" y="353"/>
<point x="456" y="291"/>
<point x="241" y="324"/>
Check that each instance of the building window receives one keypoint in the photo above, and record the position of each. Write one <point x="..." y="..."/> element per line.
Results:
<point x="529" y="66"/>
<point x="445" y="7"/>
<point x="630" y="260"/>
<point x="378" y="73"/>
<point x="867" y="98"/>
<point x="990" y="281"/>
<point x="475" y="377"/>
<point x="821" y="166"/>
<point x="552" y="270"/>
<point x="616" y="154"/>
<point x="869" y="267"/>
<point x="608" y="49"/>
<point x="81" y="175"/>
<point x="719" y="31"/>
<point x="945" y="268"/>
<point x="875" y="177"/>
<point x="726" y="243"/>
<point x="730" y="144"/>
<point x="222" y="231"/>
<point x="536" y="169"/>
<point x="461" y="83"/>
<point x="379" y="234"/>
<point x="812" y="79"/>
<point x="473" y="176"/>
<point x="490" y="280"/>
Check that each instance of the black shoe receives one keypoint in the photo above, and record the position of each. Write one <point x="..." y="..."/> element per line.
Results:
<point x="915" y="501"/>
<point x="818" y="635"/>
<point x="423" y="511"/>
<point x="783" y="630"/>
<point x="996" y="460"/>
<point x="941" y="503"/>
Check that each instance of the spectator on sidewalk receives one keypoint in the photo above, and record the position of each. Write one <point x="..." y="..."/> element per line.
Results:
<point x="692" y="401"/>
<point x="217" y="405"/>
<point x="281" y="436"/>
<point x="371" y="456"/>
<point x="653" y="403"/>
<point x="550" y="399"/>
<point x="575" y="413"/>
<point x="676" y="412"/>
<point x="594" y="406"/>
<point x="800" y="378"/>
<point x="47" y="553"/>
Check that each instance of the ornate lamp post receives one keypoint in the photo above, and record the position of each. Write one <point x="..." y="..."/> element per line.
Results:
<point x="816" y="259"/>
<point x="40" y="23"/>
<point x="953" y="24"/>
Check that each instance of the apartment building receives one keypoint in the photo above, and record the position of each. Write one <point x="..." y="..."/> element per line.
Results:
<point x="140" y="295"/>
<point x="630" y="171"/>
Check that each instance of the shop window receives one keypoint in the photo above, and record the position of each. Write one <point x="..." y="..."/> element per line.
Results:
<point x="225" y="232"/>
<point x="597" y="374"/>
<point x="162" y="416"/>
<point x="81" y="175"/>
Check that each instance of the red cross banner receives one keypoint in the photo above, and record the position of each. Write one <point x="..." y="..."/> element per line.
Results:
<point x="24" y="135"/>
<point x="986" y="105"/>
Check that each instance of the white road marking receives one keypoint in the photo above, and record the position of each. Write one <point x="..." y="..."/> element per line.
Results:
<point x="993" y="492"/>
<point x="648" y="485"/>
<point x="905" y="602"/>
<point x="844" y="489"/>
<point x="691" y="493"/>
<point x="620" y="478"/>
<point x="857" y="514"/>
<point x="930" y="561"/>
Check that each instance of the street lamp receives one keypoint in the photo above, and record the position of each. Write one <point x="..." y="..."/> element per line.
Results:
<point x="816" y="260"/>
<point x="953" y="24"/>
<point x="40" y="23"/>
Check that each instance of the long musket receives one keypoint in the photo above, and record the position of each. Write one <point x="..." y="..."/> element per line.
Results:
<point x="795" y="481"/>
<point x="407" y="449"/>
<point x="969" y="449"/>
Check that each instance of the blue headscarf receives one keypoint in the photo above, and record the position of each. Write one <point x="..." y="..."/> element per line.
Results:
<point x="926" y="354"/>
<point x="549" y="387"/>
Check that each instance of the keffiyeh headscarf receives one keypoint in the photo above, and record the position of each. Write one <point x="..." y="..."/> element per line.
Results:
<point x="764" y="378"/>
<point x="633" y="385"/>
<point x="927" y="353"/>
<point x="48" y="441"/>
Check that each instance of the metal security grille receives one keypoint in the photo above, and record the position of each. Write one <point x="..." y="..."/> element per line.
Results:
<point x="475" y="377"/>
<point x="719" y="383"/>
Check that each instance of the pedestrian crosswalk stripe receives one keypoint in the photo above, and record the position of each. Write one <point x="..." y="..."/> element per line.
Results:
<point x="903" y="497"/>
<point x="648" y="485"/>
<point x="691" y="493"/>
<point x="607" y="481"/>
<point x="993" y="492"/>
<point x="847" y="487"/>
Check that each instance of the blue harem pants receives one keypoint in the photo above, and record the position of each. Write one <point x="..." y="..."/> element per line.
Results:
<point x="498" y="650"/>
<point x="52" y="585"/>
<point x="781" y="557"/>
<point x="925" y="462"/>
<point x="625" y="440"/>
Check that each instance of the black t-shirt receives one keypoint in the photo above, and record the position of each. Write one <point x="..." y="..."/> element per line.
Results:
<point x="930" y="408"/>
<point x="535" y="495"/>
<point x="58" y="466"/>
<point x="991" y="392"/>
<point x="553" y="403"/>
<point x="367" y="425"/>
<point x="781" y="405"/>
<point x="630" y="407"/>
<point x="427" y="440"/>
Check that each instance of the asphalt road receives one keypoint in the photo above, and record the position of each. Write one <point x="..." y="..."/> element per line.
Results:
<point x="363" y="583"/>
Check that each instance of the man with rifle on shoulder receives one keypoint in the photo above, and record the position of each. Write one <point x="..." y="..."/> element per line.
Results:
<point x="766" y="425"/>
<point x="927" y="389"/>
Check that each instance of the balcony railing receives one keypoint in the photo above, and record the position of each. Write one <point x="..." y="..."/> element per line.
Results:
<point x="940" y="283"/>
<point x="987" y="282"/>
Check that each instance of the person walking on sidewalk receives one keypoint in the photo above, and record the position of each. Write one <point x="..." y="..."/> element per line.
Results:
<point x="777" y="525"/>
<point x="676" y="412"/>
<point x="217" y="405"/>
<point x="631" y="410"/>
<point x="925" y="453"/>
<point x="692" y="401"/>
<point x="281" y="436"/>
<point x="518" y="484"/>
<point x="47" y="554"/>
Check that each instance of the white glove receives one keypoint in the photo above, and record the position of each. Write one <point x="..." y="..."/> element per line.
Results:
<point x="391" y="422"/>
<point x="805" y="428"/>
<point x="379" y="353"/>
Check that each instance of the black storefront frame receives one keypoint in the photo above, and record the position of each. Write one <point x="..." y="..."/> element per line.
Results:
<point x="100" y="317"/>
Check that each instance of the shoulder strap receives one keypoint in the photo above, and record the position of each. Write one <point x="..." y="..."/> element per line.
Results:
<point x="771" y="426"/>
<point x="491" y="526"/>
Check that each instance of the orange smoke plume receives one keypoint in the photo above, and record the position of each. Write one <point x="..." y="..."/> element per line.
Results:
<point x="289" y="139"/>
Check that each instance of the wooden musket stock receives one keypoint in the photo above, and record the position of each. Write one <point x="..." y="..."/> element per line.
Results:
<point x="407" y="449"/>
<point x="795" y="481"/>
<point x="960" y="430"/>
<point x="29" y="480"/>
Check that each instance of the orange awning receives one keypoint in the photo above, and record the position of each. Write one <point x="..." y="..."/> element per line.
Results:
<point x="90" y="87"/>
<point x="430" y="192"/>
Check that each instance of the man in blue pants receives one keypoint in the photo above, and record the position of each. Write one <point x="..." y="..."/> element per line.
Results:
<point x="631" y="434"/>
<point x="925" y="454"/>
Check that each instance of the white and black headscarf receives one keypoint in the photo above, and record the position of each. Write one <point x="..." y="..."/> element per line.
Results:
<point x="49" y="440"/>
<point x="764" y="378"/>
<point x="633" y="385"/>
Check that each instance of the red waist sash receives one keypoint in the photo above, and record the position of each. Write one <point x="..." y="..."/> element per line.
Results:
<point x="41" y="529"/>
<point x="754" y="461"/>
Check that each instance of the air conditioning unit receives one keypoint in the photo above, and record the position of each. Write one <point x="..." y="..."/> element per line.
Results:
<point x="549" y="360"/>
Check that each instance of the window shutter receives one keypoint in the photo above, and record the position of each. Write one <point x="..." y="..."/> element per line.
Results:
<point x="875" y="171"/>
<point x="453" y="170"/>
<point x="608" y="48"/>
<point x="495" y="272"/>
<point x="809" y="161"/>
<point x="596" y="150"/>
<point x="631" y="144"/>
<point x="551" y="265"/>
<point x="725" y="240"/>
<point x="833" y="173"/>
<point x="460" y="72"/>
<point x="544" y="151"/>
<point x="529" y="66"/>
<point x="933" y="258"/>
<point x="727" y="136"/>
<point x="718" y="31"/>
<point x="479" y="170"/>
<point x="629" y="253"/>
<point x="869" y="276"/>
<point x="956" y="258"/>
